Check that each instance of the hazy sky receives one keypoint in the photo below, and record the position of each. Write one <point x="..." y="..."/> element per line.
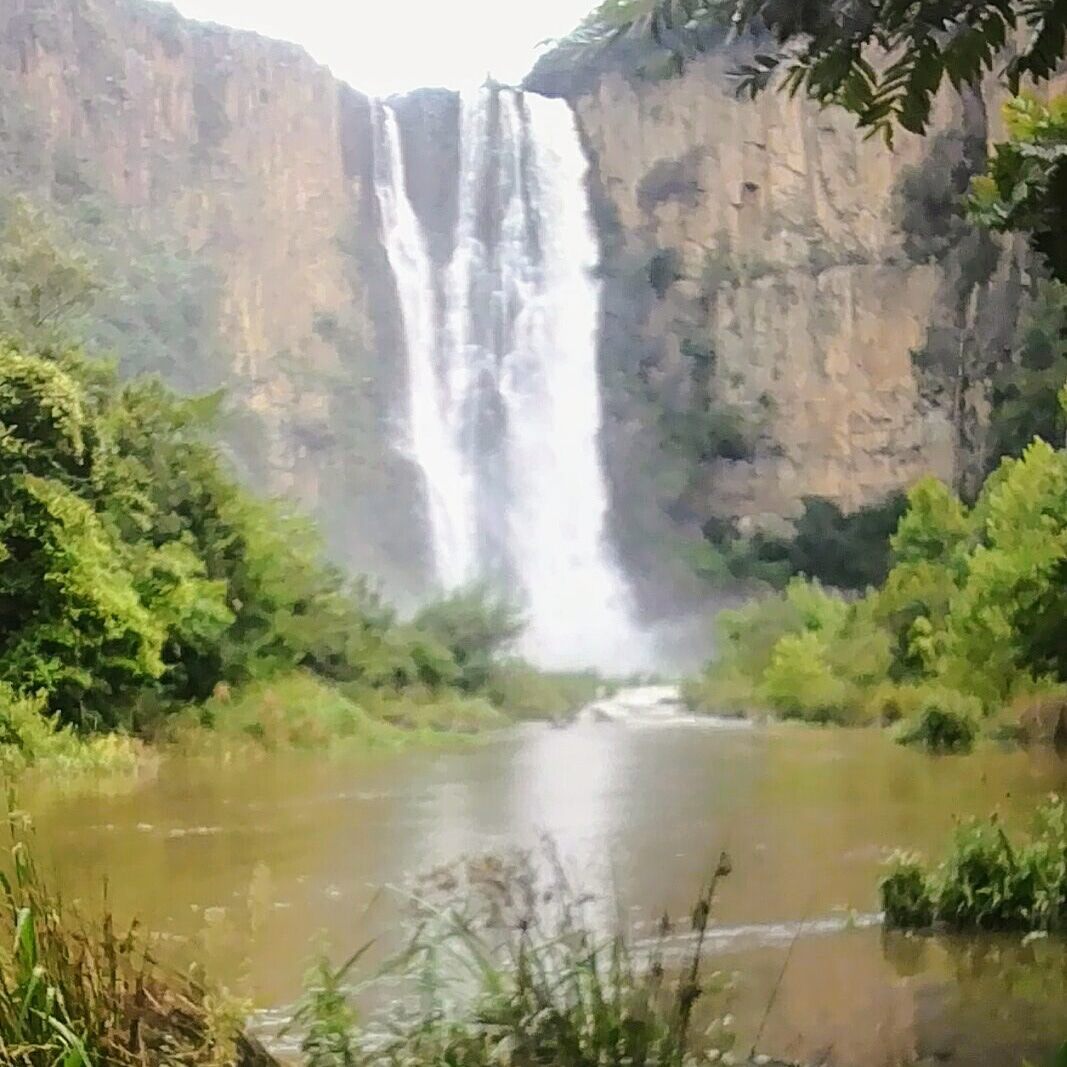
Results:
<point x="384" y="46"/>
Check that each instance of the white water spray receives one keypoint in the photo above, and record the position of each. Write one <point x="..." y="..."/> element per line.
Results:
<point x="431" y="440"/>
<point x="505" y="410"/>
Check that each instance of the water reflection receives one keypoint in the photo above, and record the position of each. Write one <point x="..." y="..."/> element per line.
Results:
<point x="251" y="863"/>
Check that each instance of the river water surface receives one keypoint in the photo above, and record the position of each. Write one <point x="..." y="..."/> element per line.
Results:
<point x="251" y="865"/>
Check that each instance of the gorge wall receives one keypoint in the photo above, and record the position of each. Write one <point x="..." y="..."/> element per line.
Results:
<point x="792" y="310"/>
<point x="789" y="311"/>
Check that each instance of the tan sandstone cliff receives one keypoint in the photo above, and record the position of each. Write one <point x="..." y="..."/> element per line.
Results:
<point x="817" y="285"/>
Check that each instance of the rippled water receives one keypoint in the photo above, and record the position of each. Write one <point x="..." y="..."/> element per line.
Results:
<point x="249" y="864"/>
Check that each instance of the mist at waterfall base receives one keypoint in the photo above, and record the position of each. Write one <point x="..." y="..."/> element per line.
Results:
<point x="503" y="402"/>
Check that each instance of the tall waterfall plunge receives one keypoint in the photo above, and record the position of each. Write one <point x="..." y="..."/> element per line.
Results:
<point x="504" y="405"/>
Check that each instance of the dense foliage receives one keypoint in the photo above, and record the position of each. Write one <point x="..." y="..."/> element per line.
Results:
<point x="885" y="63"/>
<point x="137" y="577"/>
<point x="945" y="722"/>
<point x="1025" y="391"/>
<point x="132" y="564"/>
<point x="988" y="882"/>
<point x="1025" y="188"/>
<point x="971" y="617"/>
<point x="842" y="550"/>
<point x="837" y="53"/>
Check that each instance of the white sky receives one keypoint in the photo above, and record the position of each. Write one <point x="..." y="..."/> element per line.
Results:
<point x="386" y="46"/>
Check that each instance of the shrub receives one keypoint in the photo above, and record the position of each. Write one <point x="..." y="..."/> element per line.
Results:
<point x="718" y="692"/>
<point x="291" y="711"/>
<point x="521" y="691"/>
<point x="475" y="625"/>
<point x="845" y="551"/>
<point x="800" y="684"/>
<point x="29" y="737"/>
<point x="891" y="702"/>
<point x="805" y="654"/>
<point x="445" y="713"/>
<point x="947" y="721"/>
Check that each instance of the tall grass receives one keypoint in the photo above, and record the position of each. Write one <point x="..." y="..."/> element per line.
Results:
<point x="506" y="963"/>
<point x="79" y="994"/>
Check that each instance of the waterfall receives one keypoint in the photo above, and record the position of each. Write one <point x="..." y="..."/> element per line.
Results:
<point x="431" y="440"/>
<point x="504" y="410"/>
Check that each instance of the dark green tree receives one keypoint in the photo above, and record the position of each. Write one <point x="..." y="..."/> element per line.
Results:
<point x="885" y="62"/>
<point x="476" y="625"/>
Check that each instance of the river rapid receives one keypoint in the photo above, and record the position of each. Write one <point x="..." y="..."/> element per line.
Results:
<point x="250" y="866"/>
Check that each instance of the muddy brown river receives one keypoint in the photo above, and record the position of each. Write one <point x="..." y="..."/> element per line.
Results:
<point x="251" y="866"/>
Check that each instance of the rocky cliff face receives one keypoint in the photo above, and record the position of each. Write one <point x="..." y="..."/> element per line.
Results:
<point x="789" y="311"/>
<point x="230" y="172"/>
<point x="787" y="304"/>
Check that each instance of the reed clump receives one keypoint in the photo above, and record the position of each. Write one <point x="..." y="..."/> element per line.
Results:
<point x="947" y="722"/>
<point x="988" y="881"/>
<point x="506" y="963"/>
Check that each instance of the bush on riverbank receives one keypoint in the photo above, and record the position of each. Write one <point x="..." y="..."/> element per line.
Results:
<point x="975" y="604"/>
<point x="290" y="711"/>
<point x="523" y="692"/>
<point x="29" y="737"/>
<point x="987" y="882"/>
<point x="802" y="655"/>
<point x="137" y="578"/>
<point x="946" y="722"/>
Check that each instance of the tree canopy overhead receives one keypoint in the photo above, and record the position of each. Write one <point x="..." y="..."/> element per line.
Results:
<point x="883" y="60"/>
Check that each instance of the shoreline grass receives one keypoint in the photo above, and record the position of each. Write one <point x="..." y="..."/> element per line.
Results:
<point x="296" y="711"/>
<point x="81" y="993"/>
<point x="987" y="881"/>
<point x="506" y="962"/>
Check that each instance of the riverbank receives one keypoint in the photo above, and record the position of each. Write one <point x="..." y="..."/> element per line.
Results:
<point x="148" y="596"/>
<point x="296" y="711"/>
<point x="965" y="635"/>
